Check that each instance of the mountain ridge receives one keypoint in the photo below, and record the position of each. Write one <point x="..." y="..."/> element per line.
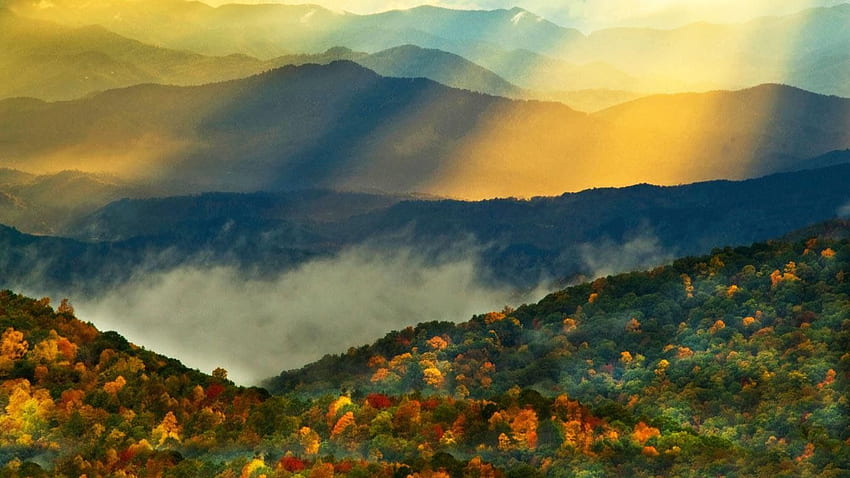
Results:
<point x="477" y="35"/>
<point x="415" y="135"/>
<point x="688" y="368"/>
<point x="518" y="244"/>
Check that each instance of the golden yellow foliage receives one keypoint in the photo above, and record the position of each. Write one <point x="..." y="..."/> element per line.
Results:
<point x="789" y="274"/>
<point x="808" y="452"/>
<point x="748" y="321"/>
<point x="504" y="442"/>
<point x="569" y="324"/>
<point x="626" y="357"/>
<point x="732" y="290"/>
<point x="524" y="428"/>
<point x="252" y="466"/>
<point x="643" y="432"/>
<point x="633" y="325"/>
<point x="398" y="363"/>
<point x="688" y="285"/>
<point x="437" y="343"/>
<point x="448" y="438"/>
<point x="322" y="470"/>
<point x="432" y="376"/>
<point x="168" y="428"/>
<point x="12" y="347"/>
<point x="28" y="412"/>
<point x="380" y="375"/>
<point x="717" y="326"/>
<point x="827" y="253"/>
<point x="40" y="372"/>
<point x="649" y="451"/>
<point x="114" y="386"/>
<point x="377" y="361"/>
<point x="345" y="421"/>
<point x="829" y="379"/>
<point x="336" y="406"/>
<point x="477" y="468"/>
<point x="492" y="317"/>
<point x="775" y="278"/>
<point x="310" y="440"/>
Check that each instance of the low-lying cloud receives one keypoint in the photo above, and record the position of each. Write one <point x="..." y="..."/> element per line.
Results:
<point x="638" y="252"/>
<point x="844" y="211"/>
<point x="254" y="328"/>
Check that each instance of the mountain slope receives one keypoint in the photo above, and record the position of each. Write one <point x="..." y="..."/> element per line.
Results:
<point x="700" y="56"/>
<point x="340" y="126"/>
<point x="451" y="70"/>
<point x="745" y="349"/>
<point x="54" y="62"/>
<point x="271" y="30"/>
<point x="518" y="244"/>
<point x="733" y="364"/>
<point x="45" y="204"/>
<point x="57" y="62"/>
<point x="290" y="128"/>
<point x="411" y="61"/>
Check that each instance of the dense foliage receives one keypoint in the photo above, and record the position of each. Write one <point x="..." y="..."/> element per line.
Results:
<point x="740" y="359"/>
<point x="735" y="364"/>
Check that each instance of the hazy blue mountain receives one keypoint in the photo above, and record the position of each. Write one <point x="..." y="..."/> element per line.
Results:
<point x="272" y="30"/>
<point x="45" y="204"/>
<point x="519" y="242"/>
<point x="699" y="56"/>
<point x="54" y="62"/>
<point x="51" y="61"/>
<point x="409" y="61"/>
<point x="130" y="218"/>
<point x="539" y="72"/>
<point x="341" y="126"/>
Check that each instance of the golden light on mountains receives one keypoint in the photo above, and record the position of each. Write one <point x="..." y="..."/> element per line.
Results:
<point x="667" y="106"/>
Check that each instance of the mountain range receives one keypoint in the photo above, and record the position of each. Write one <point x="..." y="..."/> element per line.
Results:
<point x="341" y="126"/>
<point x="263" y="188"/>
<point x="694" y="57"/>
<point x="55" y="62"/>
<point x="517" y="243"/>
<point x="732" y="363"/>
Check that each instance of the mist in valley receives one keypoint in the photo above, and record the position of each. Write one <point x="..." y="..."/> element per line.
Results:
<point x="254" y="327"/>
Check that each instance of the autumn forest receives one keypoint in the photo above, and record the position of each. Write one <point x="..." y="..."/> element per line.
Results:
<point x="468" y="239"/>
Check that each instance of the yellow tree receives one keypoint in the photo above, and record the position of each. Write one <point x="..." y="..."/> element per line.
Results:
<point x="524" y="428"/>
<point x="12" y="347"/>
<point x="167" y="429"/>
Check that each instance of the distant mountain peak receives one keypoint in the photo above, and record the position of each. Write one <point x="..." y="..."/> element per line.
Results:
<point x="338" y="51"/>
<point x="342" y="70"/>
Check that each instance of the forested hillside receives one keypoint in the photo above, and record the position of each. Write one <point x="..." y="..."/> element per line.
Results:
<point x="521" y="243"/>
<point x="731" y="364"/>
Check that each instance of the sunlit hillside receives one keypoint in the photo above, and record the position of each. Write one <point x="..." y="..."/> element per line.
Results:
<point x="342" y="126"/>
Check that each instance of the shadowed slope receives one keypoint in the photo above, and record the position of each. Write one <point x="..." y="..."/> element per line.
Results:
<point x="341" y="126"/>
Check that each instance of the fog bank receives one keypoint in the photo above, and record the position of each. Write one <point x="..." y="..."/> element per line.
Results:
<point x="254" y="328"/>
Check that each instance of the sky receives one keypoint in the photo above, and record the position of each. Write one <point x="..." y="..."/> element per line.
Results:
<point x="589" y="15"/>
